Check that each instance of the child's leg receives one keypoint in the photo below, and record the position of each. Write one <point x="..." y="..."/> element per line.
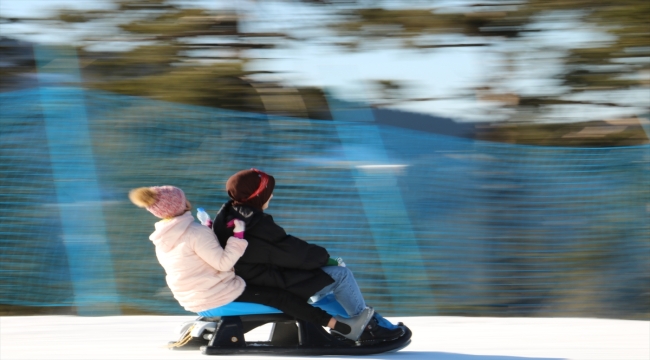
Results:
<point x="347" y="293"/>
<point x="345" y="289"/>
<point x="286" y="302"/>
<point x="297" y="307"/>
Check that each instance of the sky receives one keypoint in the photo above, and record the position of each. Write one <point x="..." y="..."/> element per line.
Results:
<point x="431" y="74"/>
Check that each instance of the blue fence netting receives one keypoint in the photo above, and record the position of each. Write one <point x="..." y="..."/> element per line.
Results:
<point x="430" y="224"/>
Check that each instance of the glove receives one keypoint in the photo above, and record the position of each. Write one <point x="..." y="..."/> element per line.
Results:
<point x="339" y="260"/>
<point x="240" y="227"/>
<point x="335" y="262"/>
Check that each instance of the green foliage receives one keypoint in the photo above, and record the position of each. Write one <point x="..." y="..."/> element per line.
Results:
<point x="216" y="86"/>
<point x="411" y="23"/>
<point x="589" y="134"/>
<point x="166" y="52"/>
<point x="162" y="50"/>
<point x="181" y="23"/>
<point x="616" y="63"/>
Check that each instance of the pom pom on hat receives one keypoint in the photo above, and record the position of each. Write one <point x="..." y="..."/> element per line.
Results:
<point x="142" y="197"/>
<point x="162" y="201"/>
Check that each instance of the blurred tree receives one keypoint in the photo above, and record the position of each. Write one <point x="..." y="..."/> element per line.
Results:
<point x="177" y="54"/>
<point x="619" y="62"/>
<point x="157" y="49"/>
<point x="16" y="64"/>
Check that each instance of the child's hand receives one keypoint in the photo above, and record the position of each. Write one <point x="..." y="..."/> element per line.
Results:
<point x="240" y="227"/>
<point x="335" y="262"/>
<point x="339" y="260"/>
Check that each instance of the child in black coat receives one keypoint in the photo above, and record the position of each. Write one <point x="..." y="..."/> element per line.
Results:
<point x="276" y="259"/>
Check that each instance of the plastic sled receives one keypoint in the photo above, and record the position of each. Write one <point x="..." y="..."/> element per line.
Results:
<point x="223" y="331"/>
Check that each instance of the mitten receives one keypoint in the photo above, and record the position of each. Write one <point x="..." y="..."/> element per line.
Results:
<point x="339" y="260"/>
<point x="335" y="262"/>
<point x="240" y="227"/>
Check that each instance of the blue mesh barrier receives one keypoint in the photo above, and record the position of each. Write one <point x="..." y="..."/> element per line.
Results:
<point x="33" y="262"/>
<point x="482" y="229"/>
<point x="72" y="164"/>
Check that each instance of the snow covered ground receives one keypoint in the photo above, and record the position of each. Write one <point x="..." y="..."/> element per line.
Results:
<point x="434" y="338"/>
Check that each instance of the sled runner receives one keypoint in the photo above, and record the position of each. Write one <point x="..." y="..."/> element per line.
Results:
<point x="223" y="333"/>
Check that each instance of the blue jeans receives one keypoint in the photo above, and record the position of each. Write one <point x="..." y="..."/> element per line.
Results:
<point x="345" y="290"/>
<point x="347" y="293"/>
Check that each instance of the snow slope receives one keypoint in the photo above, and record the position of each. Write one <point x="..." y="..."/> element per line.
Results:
<point x="434" y="338"/>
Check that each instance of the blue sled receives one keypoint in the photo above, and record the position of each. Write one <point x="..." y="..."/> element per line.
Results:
<point x="221" y="331"/>
<point x="328" y="303"/>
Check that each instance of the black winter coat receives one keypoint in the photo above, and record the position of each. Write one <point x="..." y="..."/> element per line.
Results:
<point x="273" y="258"/>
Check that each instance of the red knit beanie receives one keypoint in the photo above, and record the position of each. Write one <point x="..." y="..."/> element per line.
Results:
<point x="250" y="187"/>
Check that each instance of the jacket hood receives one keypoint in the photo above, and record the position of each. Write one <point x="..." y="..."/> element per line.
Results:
<point x="251" y="216"/>
<point x="169" y="232"/>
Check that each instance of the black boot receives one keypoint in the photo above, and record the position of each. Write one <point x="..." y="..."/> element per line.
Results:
<point x="375" y="332"/>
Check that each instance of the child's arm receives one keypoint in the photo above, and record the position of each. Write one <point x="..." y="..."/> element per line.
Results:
<point x="270" y="244"/>
<point x="239" y="228"/>
<point x="295" y="253"/>
<point x="207" y="248"/>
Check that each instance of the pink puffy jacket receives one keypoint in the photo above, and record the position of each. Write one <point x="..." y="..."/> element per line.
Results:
<point x="199" y="271"/>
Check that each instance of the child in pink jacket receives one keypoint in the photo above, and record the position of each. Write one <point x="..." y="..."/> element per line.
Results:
<point x="200" y="272"/>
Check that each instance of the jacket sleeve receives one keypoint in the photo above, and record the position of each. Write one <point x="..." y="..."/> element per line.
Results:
<point x="303" y="255"/>
<point x="285" y="250"/>
<point x="207" y="248"/>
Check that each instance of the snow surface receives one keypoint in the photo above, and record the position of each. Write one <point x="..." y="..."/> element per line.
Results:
<point x="434" y="338"/>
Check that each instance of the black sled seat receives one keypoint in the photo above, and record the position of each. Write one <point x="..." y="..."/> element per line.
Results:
<point x="225" y="334"/>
